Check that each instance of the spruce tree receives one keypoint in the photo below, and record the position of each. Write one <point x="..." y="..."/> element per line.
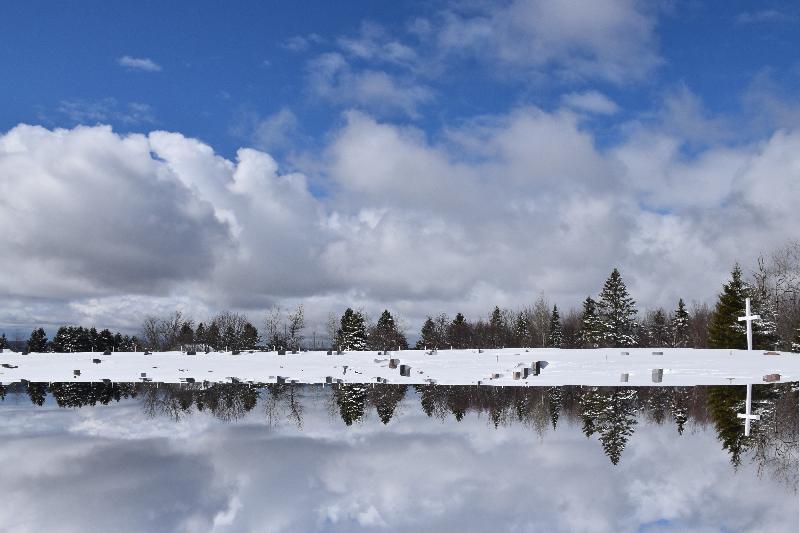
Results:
<point x="497" y="328"/>
<point x="556" y="337"/>
<point x="38" y="341"/>
<point x="591" y="334"/>
<point x="352" y="334"/>
<point x="765" y="330"/>
<point x="796" y="342"/>
<point x="658" y="330"/>
<point x="679" y="326"/>
<point x="213" y="336"/>
<point x="458" y="332"/>
<point x="617" y="312"/>
<point x="428" y="335"/>
<point x="385" y="335"/>
<point x="3" y="341"/>
<point x="724" y="329"/>
<point x="522" y="330"/>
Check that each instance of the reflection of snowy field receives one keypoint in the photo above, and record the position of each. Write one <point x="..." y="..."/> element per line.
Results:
<point x="113" y="468"/>
<point x="603" y="366"/>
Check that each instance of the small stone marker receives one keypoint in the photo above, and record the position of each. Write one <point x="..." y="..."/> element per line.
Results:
<point x="657" y="375"/>
<point x="517" y="375"/>
<point x="339" y="352"/>
<point x="191" y="380"/>
<point x="772" y="378"/>
<point x="497" y="376"/>
<point x="107" y="381"/>
<point x="330" y="352"/>
<point x="96" y="361"/>
<point x="294" y="352"/>
<point x="107" y="352"/>
<point x="658" y="353"/>
<point x="393" y="363"/>
<point x="405" y="371"/>
<point x="623" y="377"/>
<point x="625" y="353"/>
<point x="526" y="372"/>
<point x="147" y="352"/>
<point x="771" y="353"/>
<point x="76" y="373"/>
<point x="281" y="352"/>
<point x="191" y="352"/>
<point x="24" y="352"/>
<point x="328" y="379"/>
<point x="235" y="352"/>
<point x="280" y="380"/>
<point x="144" y="374"/>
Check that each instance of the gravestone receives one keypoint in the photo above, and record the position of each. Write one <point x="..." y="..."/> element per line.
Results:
<point x="658" y="353"/>
<point x="772" y="378"/>
<point x="280" y="380"/>
<point x="76" y="373"/>
<point x="625" y="353"/>
<point x="144" y="374"/>
<point x="191" y="380"/>
<point x="527" y="372"/>
<point x="623" y="377"/>
<point x="393" y="363"/>
<point x="147" y="352"/>
<point x="339" y="352"/>
<point x="96" y="361"/>
<point x="191" y="352"/>
<point x="657" y="375"/>
<point x="517" y="375"/>
<point x="107" y="352"/>
<point x="537" y="367"/>
<point x="330" y="352"/>
<point x="328" y="379"/>
<point x="235" y="352"/>
<point x="107" y="381"/>
<point x="24" y="352"/>
<point x="281" y="352"/>
<point x="294" y="352"/>
<point x="405" y="371"/>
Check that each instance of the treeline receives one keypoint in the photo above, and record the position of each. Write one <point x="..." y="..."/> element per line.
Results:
<point x="609" y="319"/>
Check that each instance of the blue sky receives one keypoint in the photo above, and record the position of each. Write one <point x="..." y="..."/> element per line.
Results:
<point x="427" y="157"/>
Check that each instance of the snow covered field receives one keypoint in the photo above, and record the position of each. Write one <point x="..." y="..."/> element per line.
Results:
<point x="602" y="366"/>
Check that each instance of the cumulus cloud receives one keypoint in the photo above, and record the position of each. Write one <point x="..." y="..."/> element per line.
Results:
<point x="492" y="211"/>
<point x="139" y="63"/>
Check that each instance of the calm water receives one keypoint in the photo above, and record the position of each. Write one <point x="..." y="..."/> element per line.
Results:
<point x="147" y="457"/>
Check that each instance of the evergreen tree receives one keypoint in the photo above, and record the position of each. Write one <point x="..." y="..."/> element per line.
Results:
<point x="38" y="341"/>
<point x="796" y="342"/>
<point x="658" y="330"/>
<point x="229" y="340"/>
<point x="556" y="337"/>
<point x="591" y="333"/>
<point x="351" y="399"/>
<point x="555" y="397"/>
<point x="459" y="332"/>
<point x="522" y="330"/>
<point x="213" y="337"/>
<point x="249" y="338"/>
<point x="352" y="334"/>
<point x="617" y="312"/>
<point x="497" y="328"/>
<point x="724" y="329"/>
<point x="186" y="334"/>
<point x="385" y="398"/>
<point x="105" y="341"/>
<point x="679" y="326"/>
<point x="428" y="335"/>
<point x="200" y="334"/>
<point x="385" y="335"/>
<point x="723" y="404"/>
<point x="3" y="341"/>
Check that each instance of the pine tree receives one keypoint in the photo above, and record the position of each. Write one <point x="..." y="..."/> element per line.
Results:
<point x="186" y="334"/>
<point x="679" y="326"/>
<point x="591" y="334"/>
<point x="385" y="335"/>
<point x="556" y="337"/>
<point x="38" y="341"/>
<point x="458" y="332"/>
<point x="428" y="335"/>
<point x="3" y="341"/>
<point x="352" y="334"/>
<point x="522" y="330"/>
<point x="200" y="334"/>
<point x="617" y="312"/>
<point x="351" y="399"/>
<point x="497" y="327"/>
<point x="249" y="338"/>
<point x="213" y="336"/>
<point x="555" y="396"/>
<point x="658" y="330"/>
<point x="724" y="329"/>
<point x="796" y="342"/>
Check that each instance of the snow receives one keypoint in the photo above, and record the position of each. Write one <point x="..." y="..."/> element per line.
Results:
<point x="597" y="367"/>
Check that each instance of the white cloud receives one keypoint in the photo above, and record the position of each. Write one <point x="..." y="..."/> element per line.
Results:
<point x="106" y="228"/>
<point x="590" y="101"/>
<point x="332" y="78"/>
<point x="106" y="110"/>
<point x="612" y="40"/>
<point x="139" y="63"/>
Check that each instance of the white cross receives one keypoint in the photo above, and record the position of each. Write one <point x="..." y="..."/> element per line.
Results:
<point x="749" y="319"/>
<point x="747" y="414"/>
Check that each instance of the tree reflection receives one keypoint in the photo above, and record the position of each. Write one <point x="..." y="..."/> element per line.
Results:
<point x="609" y="414"/>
